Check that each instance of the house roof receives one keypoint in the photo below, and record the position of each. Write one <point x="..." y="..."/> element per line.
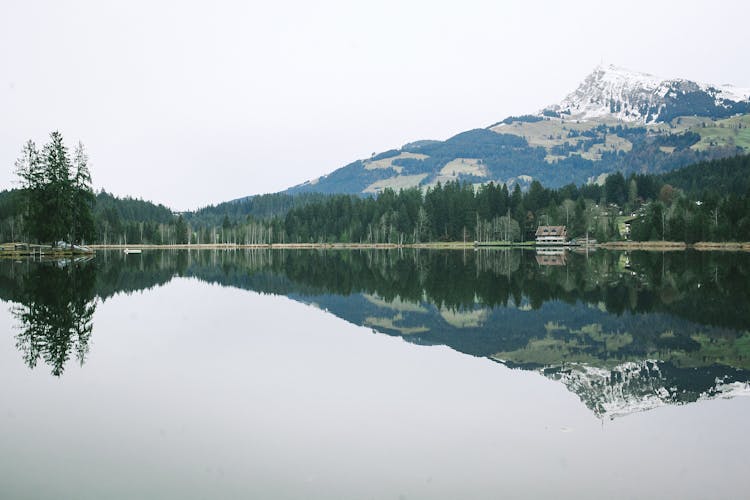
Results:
<point x="551" y="231"/>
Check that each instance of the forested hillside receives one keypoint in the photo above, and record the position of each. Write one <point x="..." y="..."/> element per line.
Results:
<point x="551" y="151"/>
<point x="115" y="219"/>
<point x="263" y="206"/>
<point x="727" y="176"/>
<point x="675" y="206"/>
<point x="708" y="201"/>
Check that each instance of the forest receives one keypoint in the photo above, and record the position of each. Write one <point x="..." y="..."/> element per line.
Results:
<point x="676" y="206"/>
<point x="707" y="201"/>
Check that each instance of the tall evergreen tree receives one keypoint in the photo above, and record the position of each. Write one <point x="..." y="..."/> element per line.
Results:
<point x="58" y="190"/>
<point x="82" y="227"/>
<point x="29" y="170"/>
<point x="181" y="231"/>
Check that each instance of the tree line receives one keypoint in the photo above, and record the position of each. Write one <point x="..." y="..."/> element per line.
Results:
<point x="675" y="206"/>
<point x="708" y="201"/>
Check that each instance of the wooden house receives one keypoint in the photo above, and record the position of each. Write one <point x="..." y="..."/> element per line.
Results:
<point x="551" y="235"/>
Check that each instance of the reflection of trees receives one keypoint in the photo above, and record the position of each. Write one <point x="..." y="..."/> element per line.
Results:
<point x="708" y="288"/>
<point x="686" y="302"/>
<point x="57" y="304"/>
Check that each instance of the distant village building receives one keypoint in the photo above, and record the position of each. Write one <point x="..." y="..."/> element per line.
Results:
<point x="551" y="235"/>
<point x="626" y="224"/>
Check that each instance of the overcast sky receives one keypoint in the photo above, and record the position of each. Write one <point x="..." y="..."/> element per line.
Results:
<point x="191" y="103"/>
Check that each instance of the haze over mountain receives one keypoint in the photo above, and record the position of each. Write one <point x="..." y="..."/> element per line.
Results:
<point x="616" y="120"/>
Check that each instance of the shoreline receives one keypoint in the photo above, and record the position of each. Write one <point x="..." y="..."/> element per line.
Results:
<point x="649" y="246"/>
<point x="451" y="245"/>
<point x="661" y="246"/>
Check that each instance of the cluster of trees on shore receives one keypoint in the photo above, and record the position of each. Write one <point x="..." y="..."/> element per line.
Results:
<point x="56" y="199"/>
<point x="708" y="201"/>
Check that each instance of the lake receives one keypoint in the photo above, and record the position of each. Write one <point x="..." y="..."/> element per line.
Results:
<point x="394" y="374"/>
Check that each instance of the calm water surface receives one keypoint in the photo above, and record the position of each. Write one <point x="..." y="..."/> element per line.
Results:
<point x="389" y="374"/>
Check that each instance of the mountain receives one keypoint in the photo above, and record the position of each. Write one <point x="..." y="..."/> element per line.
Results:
<point x="615" y="93"/>
<point x="616" y="120"/>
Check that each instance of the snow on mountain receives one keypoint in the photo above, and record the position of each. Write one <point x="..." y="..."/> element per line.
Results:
<point x="520" y="149"/>
<point x="610" y="92"/>
<point x="634" y="387"/>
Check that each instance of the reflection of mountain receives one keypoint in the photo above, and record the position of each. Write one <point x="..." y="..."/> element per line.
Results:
<point x="638" y="386"/>
<point x="669" y="329"/>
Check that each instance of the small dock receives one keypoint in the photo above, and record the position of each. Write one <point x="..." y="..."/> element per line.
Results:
<point x="16" y="250"/>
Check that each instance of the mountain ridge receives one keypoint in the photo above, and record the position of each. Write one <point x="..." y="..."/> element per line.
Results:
<point x="615" y="92"/>
<point x="615" y="120"/>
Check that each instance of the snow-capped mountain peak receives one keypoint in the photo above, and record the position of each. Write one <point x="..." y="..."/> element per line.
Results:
<point x="615" y="93"/>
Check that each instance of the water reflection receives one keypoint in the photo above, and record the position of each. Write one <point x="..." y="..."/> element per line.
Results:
<point x="55" y="305"/>
<point x="625" y="332"/>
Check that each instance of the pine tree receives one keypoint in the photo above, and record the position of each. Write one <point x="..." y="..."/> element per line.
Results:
<point x="181" y="231"/>
<point x="82" y="227"/>
<point x="29" y="169"/>
<point x="57" y="209"/>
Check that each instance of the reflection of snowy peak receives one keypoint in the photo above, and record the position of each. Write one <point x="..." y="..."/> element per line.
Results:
<point x="615" y="93"/>
<point x="634" y="387"/>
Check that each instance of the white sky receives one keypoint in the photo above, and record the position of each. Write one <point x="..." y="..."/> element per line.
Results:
<point x="190" y="103"/>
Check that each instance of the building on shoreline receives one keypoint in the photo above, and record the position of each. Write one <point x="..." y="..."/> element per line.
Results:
<point x="551" y="235"/>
